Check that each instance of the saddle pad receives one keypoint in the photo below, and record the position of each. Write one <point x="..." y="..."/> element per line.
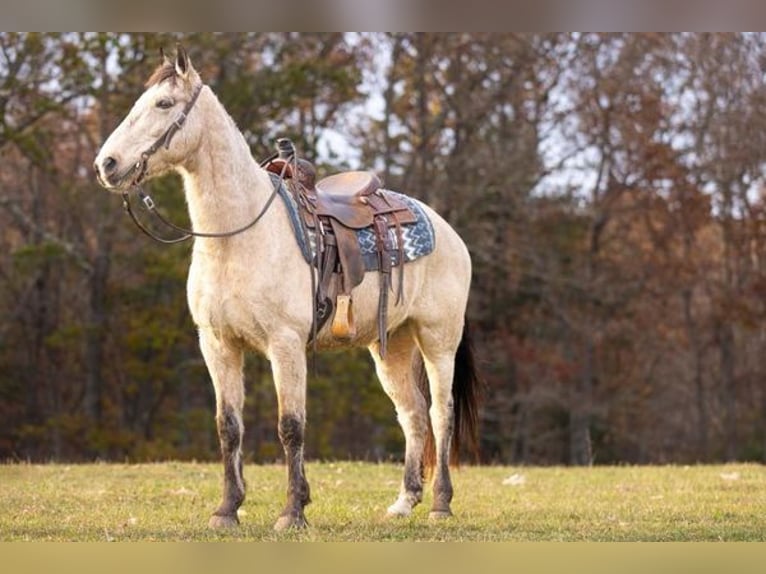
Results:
<point x="417" y="238"/>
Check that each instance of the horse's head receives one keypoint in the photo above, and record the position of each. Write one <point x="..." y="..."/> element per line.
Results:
<point x="156" y="135"/>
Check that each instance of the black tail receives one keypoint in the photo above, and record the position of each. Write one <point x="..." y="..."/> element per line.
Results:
<point x="466" y="395"/>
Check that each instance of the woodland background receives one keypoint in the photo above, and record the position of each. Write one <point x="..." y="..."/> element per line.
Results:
<point x="610" y="188"/>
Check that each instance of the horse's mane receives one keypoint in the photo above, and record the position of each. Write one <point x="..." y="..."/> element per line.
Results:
<point x="163" y="72"/>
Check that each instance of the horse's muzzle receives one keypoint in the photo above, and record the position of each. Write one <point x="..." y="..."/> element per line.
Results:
<point x="109" y="177"/>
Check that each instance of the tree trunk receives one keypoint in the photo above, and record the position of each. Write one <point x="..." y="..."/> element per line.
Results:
<point x="94" y="352"/>
<point x="726" y="345"/>
<point x="422" y="158"/>
<point x="580" y="448"/>
<point x="389" y="94"/>
<point x="703" y="418"/>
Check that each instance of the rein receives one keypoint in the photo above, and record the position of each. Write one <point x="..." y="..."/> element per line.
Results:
<point x="164" y="141"/>
<point x="187" y="233"/>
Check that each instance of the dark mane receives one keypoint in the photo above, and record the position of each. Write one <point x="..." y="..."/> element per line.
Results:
<point x="163" y="72"/>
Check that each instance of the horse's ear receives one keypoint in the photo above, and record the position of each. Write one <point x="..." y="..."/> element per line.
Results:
<point x="163" y="55"/>
<point x="182" y="61"/>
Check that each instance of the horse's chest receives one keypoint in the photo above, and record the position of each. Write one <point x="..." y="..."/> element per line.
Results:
<point x="219" y="302"/>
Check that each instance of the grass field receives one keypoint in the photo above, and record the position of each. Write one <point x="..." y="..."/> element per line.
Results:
<point x="172" y="501"/>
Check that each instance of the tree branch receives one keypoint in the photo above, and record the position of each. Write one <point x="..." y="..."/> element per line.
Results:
<point x="24" y="221"/>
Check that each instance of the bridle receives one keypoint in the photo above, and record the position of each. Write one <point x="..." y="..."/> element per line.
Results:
<point x="141" y="167"/>
<point x="165" y="139"/>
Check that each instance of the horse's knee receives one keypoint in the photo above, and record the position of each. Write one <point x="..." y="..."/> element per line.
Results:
<point x="230" y="429"/>
<point x="291" y="432"/>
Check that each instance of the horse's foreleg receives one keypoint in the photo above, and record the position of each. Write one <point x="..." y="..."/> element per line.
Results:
<point x="288" y="363"/>
<point x="225" y="366"/>
<point x="398" y="380"/>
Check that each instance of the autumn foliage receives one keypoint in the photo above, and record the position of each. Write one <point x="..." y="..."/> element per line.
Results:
<point x="610" y="188"/>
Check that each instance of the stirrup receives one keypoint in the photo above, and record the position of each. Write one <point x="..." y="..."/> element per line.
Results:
<point x="343" y="323"/>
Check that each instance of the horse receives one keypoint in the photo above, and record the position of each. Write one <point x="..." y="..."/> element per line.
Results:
<point x="251" y="289"/>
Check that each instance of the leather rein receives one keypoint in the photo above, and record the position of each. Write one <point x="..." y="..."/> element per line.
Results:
<point x="141" y="167"/>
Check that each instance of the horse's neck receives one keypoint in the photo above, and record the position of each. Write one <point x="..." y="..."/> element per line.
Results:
<point x="225" y="188"/>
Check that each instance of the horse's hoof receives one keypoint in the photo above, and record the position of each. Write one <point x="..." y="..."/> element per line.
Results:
<point x="219" y="521"/>
<point x="399" y="509"/>
<point x="289" y="521"/>
<point x="439" y="514"/>
<point x="395" y="515"/>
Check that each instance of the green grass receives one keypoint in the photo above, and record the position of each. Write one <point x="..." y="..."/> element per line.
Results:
<point x="172" y="501"/>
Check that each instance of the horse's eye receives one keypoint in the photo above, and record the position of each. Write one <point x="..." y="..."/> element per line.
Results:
<point x="165" y="103"/>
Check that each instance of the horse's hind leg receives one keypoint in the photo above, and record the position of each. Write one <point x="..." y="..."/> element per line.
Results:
<point x="438" y="347"/>
<point x="288" y="363"/>
<point x="397" y="377"/>
<point x="224" y="363"/>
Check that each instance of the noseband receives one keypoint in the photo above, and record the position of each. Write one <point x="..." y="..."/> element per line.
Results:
<point x="141" y="167"/>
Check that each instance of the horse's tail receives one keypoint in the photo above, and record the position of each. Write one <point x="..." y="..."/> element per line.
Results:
<point x="466" y="393"/>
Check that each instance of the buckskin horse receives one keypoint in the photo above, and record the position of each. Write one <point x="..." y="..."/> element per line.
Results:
<point x="251" y="285"/>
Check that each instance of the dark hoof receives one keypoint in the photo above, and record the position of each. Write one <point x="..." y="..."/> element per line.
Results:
<point x="440" y="514"/>
<point x="219" y="521"/>
<point x="289" y="521"/>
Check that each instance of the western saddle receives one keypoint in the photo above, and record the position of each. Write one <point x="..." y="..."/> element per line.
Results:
<point x="335" y="208"/>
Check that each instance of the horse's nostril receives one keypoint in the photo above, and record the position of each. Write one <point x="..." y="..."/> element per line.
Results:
<point x="109" y="165"/>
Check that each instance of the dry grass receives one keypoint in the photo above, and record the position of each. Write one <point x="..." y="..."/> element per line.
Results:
<point x="172" y="501"/>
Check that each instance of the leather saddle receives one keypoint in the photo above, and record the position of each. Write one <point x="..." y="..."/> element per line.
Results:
<point x="335" y="208"/>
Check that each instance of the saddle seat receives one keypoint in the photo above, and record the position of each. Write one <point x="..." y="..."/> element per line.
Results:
<point x="354" y="199"/>
<point x="342" y="186"/>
